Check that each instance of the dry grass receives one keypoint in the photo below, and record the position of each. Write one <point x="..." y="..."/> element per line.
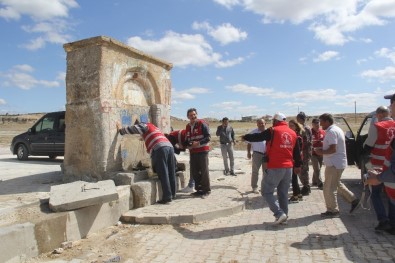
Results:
<point x="10" y="129"/>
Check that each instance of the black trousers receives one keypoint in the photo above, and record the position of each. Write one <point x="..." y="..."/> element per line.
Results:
<point x="199" y="171"/>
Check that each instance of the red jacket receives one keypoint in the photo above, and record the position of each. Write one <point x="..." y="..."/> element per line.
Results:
<point x="153" y="136"/>
<point x="385" y="133"/>
<point x="198" y="134"/>
<point x="317" y="138"/>
<point x="280" y="147"/>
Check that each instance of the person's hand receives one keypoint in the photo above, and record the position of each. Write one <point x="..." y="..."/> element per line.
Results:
<point x="242" y="138"/>
<point x="372" y="180"/>
<point x="119" y="126"/>
<point x="298" y="170"/>
<point x="318" y="151"/>
<point x="248" y="155"/>
<point x="234" y="142"/>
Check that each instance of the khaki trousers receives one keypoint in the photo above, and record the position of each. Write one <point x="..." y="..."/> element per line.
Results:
<point x="332" y="186"/>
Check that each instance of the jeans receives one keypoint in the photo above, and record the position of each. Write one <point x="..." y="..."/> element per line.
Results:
<point x="164" y="161"/>
<point x="377" y="202"/>
<point x="279" y="178"/>
<point x="227" y="151"/>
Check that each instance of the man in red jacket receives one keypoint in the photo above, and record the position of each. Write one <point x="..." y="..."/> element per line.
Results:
<point x="283" y="155"/>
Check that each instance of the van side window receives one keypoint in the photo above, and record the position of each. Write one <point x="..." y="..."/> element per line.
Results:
<point x="46" y="124"/>
<point x="62" y="125"/>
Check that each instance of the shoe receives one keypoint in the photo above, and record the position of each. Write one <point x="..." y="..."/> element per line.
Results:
<point x="255" y="190"/>
<point x="305" y="190"/>
<point x="187" y="190"/>
<point x="226" y="172"/>
<point x="232" y="173"/>
<point x="197" y="193"/>
<point x="354" y="205"/>
<point x="280" y="219"/>
<point x="204" y="195"/>
<point x="320" y="186"/>
<point x="383" y="226"/>
<point x="174" y="197"/>
<point x="293" y="199"/>
<point x="391" y="231"/>
<point x="163" y="201"/>
<point x="300" y="197"/>
<point x="285" y="222"/>
<point x="330" y="214"/>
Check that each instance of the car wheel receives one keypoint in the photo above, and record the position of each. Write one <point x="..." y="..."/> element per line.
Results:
<point x="22" y="153"/>
<point x="52" y="156"/>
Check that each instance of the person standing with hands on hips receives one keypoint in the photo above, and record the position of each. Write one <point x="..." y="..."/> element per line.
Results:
<point x="226" y="140"/>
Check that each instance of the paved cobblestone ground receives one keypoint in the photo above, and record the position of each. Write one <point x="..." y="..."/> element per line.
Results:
<point x="247" y="236"/>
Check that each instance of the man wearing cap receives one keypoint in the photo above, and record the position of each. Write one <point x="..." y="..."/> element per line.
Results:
<point x="307" y="150"/>
<point x="283" y="155"/>
<point x="335" y="159"/>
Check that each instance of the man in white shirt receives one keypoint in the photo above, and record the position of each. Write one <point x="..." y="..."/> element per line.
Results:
<point x="258" y="150"/>
<point x="335" y="159"/>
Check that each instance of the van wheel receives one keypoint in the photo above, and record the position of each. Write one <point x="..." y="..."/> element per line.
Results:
<point x="52" y="156"/>
<point x="22" y="153"/>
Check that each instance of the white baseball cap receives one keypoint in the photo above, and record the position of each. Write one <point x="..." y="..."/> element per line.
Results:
<point x="279" y="116"/>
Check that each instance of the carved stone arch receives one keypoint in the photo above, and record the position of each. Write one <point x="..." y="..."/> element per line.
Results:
<point x="137" y="87"/>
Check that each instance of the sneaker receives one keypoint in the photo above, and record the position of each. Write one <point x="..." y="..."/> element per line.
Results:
<point x="305" y="190"/>
<point x="280" y="219"/>
<point x="255" y="190"/>
<point x="321" y="186"/>
<point x="285" y="222"/>
<point x="354" y="205"/>
<point x="391" y="231"/>
<point x="204" y="195"/>
<point x="226" y="172"/>
<point x="383" y="226"/>
<point x="232" y="173"/>
<point x="164" y="202"/>
<point x="187" y="190"/>
<point x="293" y="199"/>
<point x="330" y="214"/>
<point x="197" y="193"/>
<point x="300" y="197"/>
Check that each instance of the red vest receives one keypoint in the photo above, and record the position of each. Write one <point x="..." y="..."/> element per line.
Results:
<point x="180" y="137"/>
<point x="385" y="133"/>
<point x="196" y="135"/>
<point x="153" y="136"/>
<point x="389" y="187"/>
<point x="280" y="147"/>
<point x="317" y="138"/>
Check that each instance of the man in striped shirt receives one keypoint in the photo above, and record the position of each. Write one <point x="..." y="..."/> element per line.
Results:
<point x="162" y="155"/>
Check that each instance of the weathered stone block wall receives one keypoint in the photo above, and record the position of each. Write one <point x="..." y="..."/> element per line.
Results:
<point x="107" y="81"/>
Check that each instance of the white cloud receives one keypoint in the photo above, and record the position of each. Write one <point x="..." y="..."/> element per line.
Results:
<point x="219" y="78"/>
<point x="332" y="21"/>
<point x="382" y="75"/>
<point x="227" y="105"/>
<point x="228" y="3"/>
<point x="225" y="33"/>
<point x="242" y="88"/>
<point x="183" y="50"/>
<point x="37" y="9"/>
<point x="19" y="76"/>
<point x="326" y="56"/>
<point x="386" y="53"/>
<point x="187" y="94"/>
<point x="49" y="19"/>
<point x="2" y="101"/>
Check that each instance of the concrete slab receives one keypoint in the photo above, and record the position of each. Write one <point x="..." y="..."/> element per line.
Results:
<point x="80" y="194"/>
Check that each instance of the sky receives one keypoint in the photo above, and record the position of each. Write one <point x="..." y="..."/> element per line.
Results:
<point x="231" y="58"/>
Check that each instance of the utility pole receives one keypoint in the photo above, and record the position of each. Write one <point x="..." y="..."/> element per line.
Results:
<point x="355" y="111"/>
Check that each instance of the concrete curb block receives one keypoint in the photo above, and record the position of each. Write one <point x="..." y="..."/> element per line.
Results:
<point x="139" y="217"/>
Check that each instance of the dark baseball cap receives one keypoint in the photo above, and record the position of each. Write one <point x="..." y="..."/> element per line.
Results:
<point x="391" y="97"/>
